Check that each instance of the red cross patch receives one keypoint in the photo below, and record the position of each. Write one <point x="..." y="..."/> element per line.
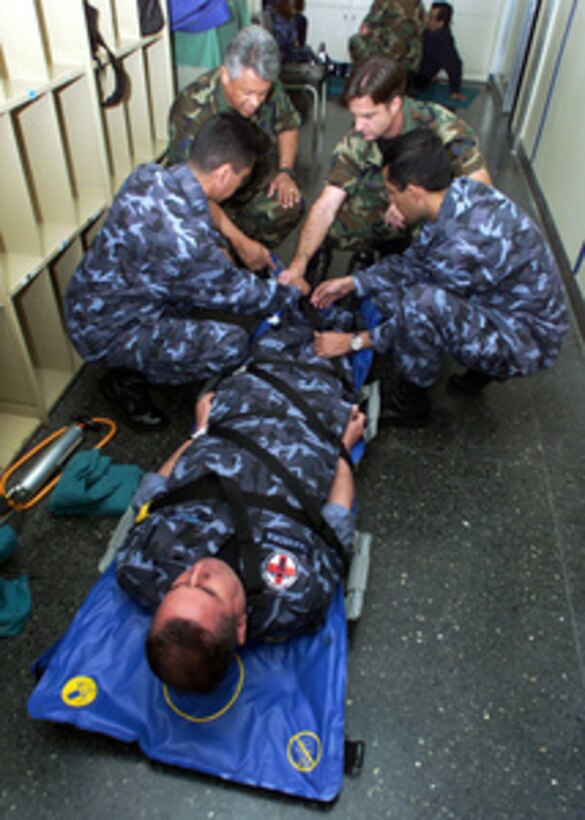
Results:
<point x="280" y="570"/>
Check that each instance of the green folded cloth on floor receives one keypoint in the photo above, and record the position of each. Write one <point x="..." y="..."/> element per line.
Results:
<point x="92" y="485"/>
<point x="439" y="93"/>
<point x="15" y="597"/>
<point x="15" y="605"/>
<point x="8" y="542"/>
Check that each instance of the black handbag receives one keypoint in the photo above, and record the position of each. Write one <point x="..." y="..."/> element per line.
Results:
<point x="97" y="42"/>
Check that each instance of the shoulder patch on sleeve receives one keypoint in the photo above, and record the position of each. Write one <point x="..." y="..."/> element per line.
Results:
<point x="280" y="570"/>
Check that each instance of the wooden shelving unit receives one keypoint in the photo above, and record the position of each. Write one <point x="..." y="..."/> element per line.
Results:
<point x="62" y="158"/>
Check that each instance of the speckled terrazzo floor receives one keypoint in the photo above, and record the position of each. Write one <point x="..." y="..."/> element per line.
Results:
<point x="466" y="672"/>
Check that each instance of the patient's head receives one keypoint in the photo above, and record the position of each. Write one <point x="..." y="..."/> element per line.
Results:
<point x="198" y="625"/>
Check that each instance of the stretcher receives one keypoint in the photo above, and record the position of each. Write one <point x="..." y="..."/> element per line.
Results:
<point x="268" y="725"/>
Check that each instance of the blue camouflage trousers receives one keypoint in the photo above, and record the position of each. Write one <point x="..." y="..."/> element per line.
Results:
<point x="426" y="322"/>
<point x="175" y="351"/>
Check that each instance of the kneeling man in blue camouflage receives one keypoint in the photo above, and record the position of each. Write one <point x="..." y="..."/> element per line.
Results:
<point x="245" y="531"/>
<point x="478" y="283"/>
<point x="156" y="298"/>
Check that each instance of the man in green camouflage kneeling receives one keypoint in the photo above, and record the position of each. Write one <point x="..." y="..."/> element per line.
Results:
<point x="269" y="205"/>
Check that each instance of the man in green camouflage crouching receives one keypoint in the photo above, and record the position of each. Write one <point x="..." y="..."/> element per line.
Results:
<point x="269" y="205"/>
<point x="352" y="212"/>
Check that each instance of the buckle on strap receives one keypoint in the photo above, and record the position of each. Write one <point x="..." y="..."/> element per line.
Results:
<point x="143" y="513"/>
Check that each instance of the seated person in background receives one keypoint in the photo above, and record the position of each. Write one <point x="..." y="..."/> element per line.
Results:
<point x="352" y="212"/>
<point x="393" y="28"/>
<point x="130" y="304"/>
<point x="285" y="28"/>
<point x="268" y="207"/>
<point x="439" y="51"/>
<point x="478" y="283"/>
<point x="301" y="21"/>
<point x="228" y="550"/>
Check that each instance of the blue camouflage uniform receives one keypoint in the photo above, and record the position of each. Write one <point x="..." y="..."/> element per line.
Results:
<point x="132" y="301"/>
<point x="299" y="569"/>
<point x="479" y="283"/>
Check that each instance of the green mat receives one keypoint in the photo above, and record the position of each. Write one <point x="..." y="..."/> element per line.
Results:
<point x="435" y="92"/>
<point x="439" y="93"/>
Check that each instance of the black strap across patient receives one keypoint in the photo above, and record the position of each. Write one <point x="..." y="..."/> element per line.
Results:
<point x="297" y="399"/>
<point x="311" y="509"/>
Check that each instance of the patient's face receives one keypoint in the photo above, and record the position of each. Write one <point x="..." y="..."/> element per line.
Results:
<point x="207" y="592"/>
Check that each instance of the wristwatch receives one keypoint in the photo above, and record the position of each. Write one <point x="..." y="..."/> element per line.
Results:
<point x="357" y="342"/>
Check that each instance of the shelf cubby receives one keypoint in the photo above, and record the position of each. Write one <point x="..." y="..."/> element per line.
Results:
<point x="62" y="158"/>
<point x="39" y="316"/>
<point x="44" y="162"/>
<point x="156" y="56"/>
<point x="139" y="123"/>
<point x="83" y="145"/>
<point x="20" y="238"/>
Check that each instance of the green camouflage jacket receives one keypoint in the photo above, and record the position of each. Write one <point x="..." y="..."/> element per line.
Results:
<point x="356" y="162"/>
<point x="204" y="97"/>
<point x="396" y="26"/>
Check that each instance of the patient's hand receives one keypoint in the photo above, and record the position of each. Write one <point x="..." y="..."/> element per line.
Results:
<point x="354" y="429"/>
<point x="203" y="409"/>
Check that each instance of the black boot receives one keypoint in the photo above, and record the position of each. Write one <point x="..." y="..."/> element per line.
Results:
<point x="128" y="391"/>
<point x="360" y="260"/>
<point x="470" y="383"/>
<point x="404" y="404"/>
<point x="319" y="265"/>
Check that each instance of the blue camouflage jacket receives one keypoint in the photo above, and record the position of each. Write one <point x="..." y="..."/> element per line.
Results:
<point x="485" y="250"/>
<point x="158" y="255"/>
<point x="300" y="571"/>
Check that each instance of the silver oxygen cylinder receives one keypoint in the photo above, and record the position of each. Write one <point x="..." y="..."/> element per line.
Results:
<point x="47" y="463"/>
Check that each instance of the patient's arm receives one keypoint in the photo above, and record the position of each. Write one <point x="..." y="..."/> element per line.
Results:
<point x="342" y="488"/>
<point x="202" y="411"/>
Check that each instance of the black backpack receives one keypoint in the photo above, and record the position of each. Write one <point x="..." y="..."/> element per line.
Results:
<point x="151" y="16"/>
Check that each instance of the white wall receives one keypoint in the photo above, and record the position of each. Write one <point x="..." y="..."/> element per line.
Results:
<point x="550" y="124"/>
<point x="475" y="28"/>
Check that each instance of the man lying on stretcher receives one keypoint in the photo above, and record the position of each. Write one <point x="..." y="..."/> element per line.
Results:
<point x="244" y="532"/>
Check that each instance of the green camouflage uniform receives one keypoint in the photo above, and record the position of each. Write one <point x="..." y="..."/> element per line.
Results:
<point x="356" y="167"/>
<point x="395" y="30"/>
<point x="257" y="215"/>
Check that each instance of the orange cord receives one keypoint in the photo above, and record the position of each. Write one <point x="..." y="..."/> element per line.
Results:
<point x="40" y="446"/>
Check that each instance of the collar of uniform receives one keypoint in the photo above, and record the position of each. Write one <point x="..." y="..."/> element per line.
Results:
<point x="407" y="115"/>
<point x="221" y="104"/>
<point x="191" y="188"/>
<point x="448" y="209"/>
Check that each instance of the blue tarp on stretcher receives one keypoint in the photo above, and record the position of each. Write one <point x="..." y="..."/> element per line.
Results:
<point x="277" y="721"/>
